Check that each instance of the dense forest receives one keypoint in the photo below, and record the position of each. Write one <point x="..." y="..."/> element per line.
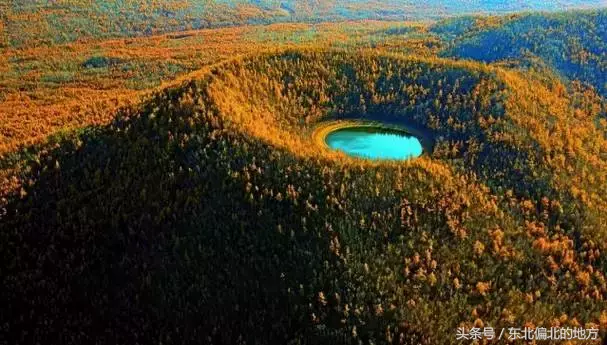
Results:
<point x="573" y="44"/>
<point x="205" y="214"/>
<point x="41" y="22"/>
<point x="164" y="177"/>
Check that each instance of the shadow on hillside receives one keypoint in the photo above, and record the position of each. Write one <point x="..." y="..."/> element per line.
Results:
<point x="130" y="234"/>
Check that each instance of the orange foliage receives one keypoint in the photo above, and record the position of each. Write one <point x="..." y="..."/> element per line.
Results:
<point x="36" y="104"/>
<point x="483" y="287"/>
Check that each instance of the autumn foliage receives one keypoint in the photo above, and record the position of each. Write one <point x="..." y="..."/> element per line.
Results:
<point x="207" y="213"/>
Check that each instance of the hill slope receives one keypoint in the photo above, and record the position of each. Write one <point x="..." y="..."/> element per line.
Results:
<point x="208" y="214"/>
<point x="573" y="44"/>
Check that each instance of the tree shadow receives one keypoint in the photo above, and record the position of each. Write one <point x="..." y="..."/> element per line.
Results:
<point x="151" y="230"/>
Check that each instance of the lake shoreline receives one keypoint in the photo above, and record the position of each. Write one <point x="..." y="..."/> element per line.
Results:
<point x="323" y="129"/>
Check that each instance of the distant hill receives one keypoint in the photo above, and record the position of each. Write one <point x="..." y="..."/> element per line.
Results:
<point x="572" y="43"/>
<point x="48" y="22"/>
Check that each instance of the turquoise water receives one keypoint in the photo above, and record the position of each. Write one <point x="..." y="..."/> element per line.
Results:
<point x="375" y="143"/>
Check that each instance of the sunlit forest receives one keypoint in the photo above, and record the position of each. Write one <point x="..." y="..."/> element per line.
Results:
<point x="165" y="176"/>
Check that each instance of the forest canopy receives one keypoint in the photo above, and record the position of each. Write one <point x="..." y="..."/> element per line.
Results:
<point x="205" y="210"/>
<point x="165" y="176"/>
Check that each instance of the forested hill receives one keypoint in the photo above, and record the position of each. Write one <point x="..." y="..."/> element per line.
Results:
<point x="48" y="22"/>
<point x="209" y="214"/>
<point x="572" y="43"/>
